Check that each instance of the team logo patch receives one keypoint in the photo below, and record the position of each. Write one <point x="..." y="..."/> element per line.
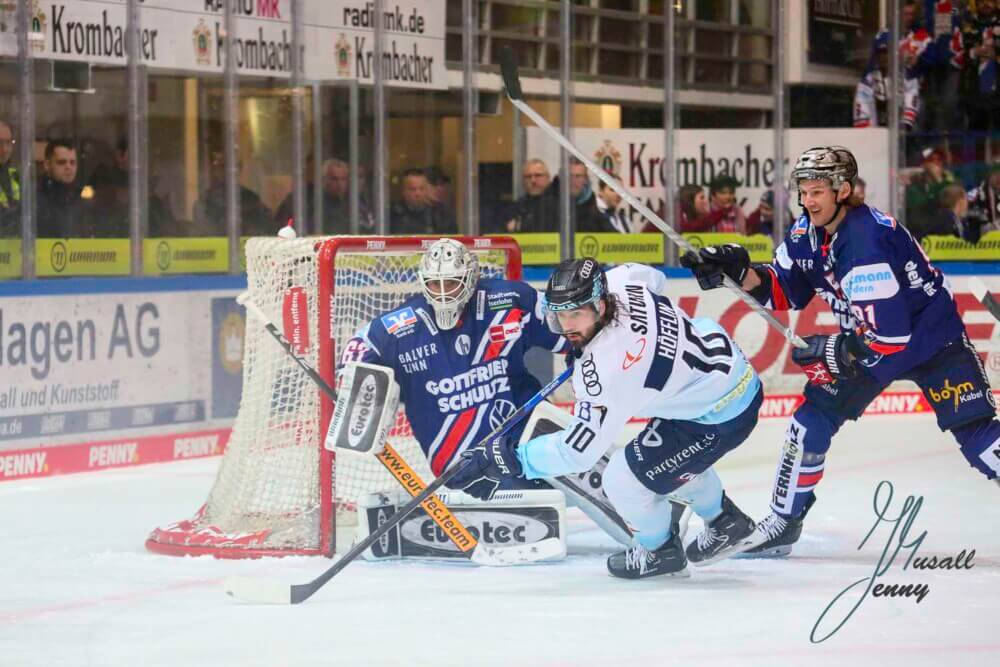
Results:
<point x="633" y="356"/>
<point x="963" y="392"/>
<point x="399" y="321"/>
<point x="800" y="227"/>
<point x="501" y="333"/>
<point x="463" y="344"/>
<point x="501" y="411"/>
<point x="870" y="282"/>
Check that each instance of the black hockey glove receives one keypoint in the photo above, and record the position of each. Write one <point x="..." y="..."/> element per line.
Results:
<point x="710" y="264"/>
<point x="829" y="358"/>
<point x="486" y="467"/>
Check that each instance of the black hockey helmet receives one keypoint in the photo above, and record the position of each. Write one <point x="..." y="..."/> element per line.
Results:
<point x="574" y="284"/>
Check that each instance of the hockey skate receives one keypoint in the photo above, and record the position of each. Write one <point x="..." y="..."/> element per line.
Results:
<point x="774" y="535"/>
<point x="637" y="562"/>
<point x="722" y="536"/>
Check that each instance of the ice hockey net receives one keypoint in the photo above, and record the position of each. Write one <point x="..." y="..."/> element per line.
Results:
<point x="278" y="491"/>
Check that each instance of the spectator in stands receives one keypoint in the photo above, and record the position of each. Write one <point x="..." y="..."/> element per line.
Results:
<point x="726" y="213"/>
<point x="413" y="214"/>
<point x="608" y="202"/>
<point x="10" y="184"/>
<point x="693" y="209"/>
<point x="440" y="196"/>
<point x="860" y="190"/>
<point x="949" y="218"/>
<point x="761" y="221"/>
<point x="110" y="204"/>
<point x="984" y="206"/>
<point x="210" y="210"/>
<point x="538" y="209"/>
<point x="586" y="215"/>
<point x="982" y="91"/>
<point x="286" y="209"/>
<point x="336" y="202"/>
<point x="924" y="188"/>
<point x="61" y="211"/>
<point x="870" y="93"/>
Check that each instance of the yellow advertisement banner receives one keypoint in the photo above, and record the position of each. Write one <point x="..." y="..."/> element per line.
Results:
<point x="10" y="258"/>
<point x="82" y="257"/>
<point x="161" y="256"/>
<point x="612" y="248"/>
<point x="538" y="248"/>
<point x="944" y="248"/>
<point x="760" y="246"/>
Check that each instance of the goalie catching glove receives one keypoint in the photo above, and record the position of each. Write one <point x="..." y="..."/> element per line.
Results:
<point x="485" y="468"/>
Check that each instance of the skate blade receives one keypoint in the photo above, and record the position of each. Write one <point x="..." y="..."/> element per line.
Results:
<point x="679" y="574"/>
<point x="773" y="552"/>
<point x="723" y="554"/>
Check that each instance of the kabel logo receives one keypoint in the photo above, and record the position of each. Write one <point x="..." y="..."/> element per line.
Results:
<point x="958" y="394"/>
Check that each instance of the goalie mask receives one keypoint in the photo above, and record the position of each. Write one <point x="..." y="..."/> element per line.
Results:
<point x="448" y="275"/>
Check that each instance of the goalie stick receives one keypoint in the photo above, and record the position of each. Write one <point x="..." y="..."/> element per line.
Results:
<point x="984" y="297"/>
<point x="396" y="465"/>
<point x="512" y="84"/>
<point x="263" y="591"/>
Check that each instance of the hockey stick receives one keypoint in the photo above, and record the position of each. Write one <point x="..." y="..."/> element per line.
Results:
<point x="984" y="297"/>
<point x="270" y="592"/>
<point x="435" y="508"/>
<point x="512" y="83"/>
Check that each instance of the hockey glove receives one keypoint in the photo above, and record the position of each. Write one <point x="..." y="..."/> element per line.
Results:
<point x="829" y="358"/>
<point x="487" y="466"/>
<point x="710" y="264"/>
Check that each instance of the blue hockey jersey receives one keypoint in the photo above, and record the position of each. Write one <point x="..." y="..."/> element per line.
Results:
<point x="458" y="385"/>
<point x="876" y="279"/>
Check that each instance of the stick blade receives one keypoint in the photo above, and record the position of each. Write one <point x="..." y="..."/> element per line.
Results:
<point x="257" y="591"/>
<point x="548" y="549"/>
<point x="508" y="69"/>
<point x="978" y="289"/>
<point x="983" y="296"/>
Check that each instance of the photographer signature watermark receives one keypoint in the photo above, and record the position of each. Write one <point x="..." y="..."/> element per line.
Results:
<point x="879" y="584"/>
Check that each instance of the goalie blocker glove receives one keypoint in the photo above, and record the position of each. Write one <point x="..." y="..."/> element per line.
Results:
<point x="710" y="264"/>
<point x="826" y="359"/>
<point x="488" y="465"/>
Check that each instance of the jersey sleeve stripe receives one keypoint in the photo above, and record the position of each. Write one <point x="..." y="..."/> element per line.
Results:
<point x="778" y="299"/>
<point x="901" y="340"/>
<point x="451" y="442"/>
<point x="882" y="348"/>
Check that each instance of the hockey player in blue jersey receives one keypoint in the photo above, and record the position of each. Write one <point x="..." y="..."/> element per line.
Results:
<point x="638" y="355"/>
<point x="457" y="350"/>
<point x="897" y="320"/>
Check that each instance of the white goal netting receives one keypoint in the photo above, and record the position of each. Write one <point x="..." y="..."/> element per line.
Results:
<point x="274" y="487"/>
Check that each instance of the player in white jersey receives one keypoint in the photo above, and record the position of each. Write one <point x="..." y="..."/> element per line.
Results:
<point x="637" y="355"/>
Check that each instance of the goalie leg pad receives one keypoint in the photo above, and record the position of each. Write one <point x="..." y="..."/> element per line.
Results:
<point x="511" y="518"/>
<point x="366" y="409"/>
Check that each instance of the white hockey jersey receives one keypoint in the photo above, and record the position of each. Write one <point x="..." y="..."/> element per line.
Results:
<point x="654" y="361"/>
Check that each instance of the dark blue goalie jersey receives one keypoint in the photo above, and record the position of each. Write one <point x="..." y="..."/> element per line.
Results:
<point x="458" y="385"/>
<point x="876" y="279"/>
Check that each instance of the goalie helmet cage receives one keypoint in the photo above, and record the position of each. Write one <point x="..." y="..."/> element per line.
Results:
<point x="278" y="491"/>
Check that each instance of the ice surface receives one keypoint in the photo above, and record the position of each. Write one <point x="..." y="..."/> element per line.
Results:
<point x="78" y="588"/>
